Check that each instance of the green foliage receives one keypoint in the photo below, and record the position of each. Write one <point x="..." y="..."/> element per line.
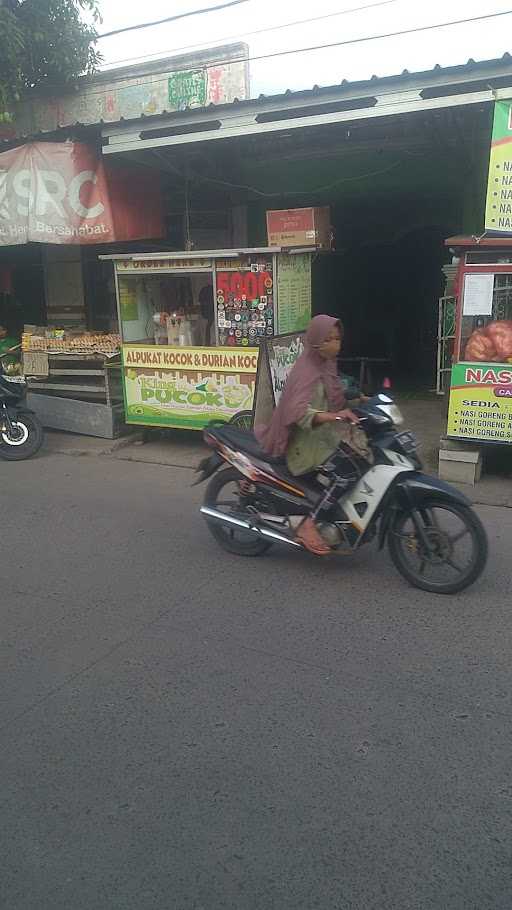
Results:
<point x="44" y="42"/>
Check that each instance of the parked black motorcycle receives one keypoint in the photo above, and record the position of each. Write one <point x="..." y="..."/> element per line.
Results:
<point x="21" y="433"/>
<point x="435" y="538"/>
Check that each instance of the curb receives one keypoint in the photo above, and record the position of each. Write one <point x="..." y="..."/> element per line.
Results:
<point x="78" y="453"/>
<point x="127" y="440"/>
<point x="111" y="446"/>
<point x="116" y="449"/>
<point x="156" y="461"/>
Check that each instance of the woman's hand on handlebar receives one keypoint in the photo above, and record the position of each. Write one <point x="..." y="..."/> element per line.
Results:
<point x="329" y="417"/>
<point x="347" y="415"/>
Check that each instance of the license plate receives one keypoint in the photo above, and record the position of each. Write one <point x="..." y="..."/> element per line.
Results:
<point x="407" y="442"/>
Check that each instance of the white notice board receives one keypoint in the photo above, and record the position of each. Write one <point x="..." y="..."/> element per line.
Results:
<point x="478" y="294"/>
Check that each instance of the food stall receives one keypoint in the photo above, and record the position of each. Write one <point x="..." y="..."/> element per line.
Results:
<point x="480" y="406"/>
<point x="191" y="326"/>
<point x="73" y="379"/>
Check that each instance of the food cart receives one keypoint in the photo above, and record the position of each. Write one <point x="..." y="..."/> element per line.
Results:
<point x="191" y="326"/>
<point x="74" y="379"/>
<point x="480" y="406"/>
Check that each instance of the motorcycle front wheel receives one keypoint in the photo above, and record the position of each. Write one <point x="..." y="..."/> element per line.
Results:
<point x="22" y="438"/>
<point x="224" y="494"/>
<point x="458" y="547"/>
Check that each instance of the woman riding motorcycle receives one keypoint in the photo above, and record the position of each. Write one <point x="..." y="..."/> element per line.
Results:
<point x="312" y="423"/>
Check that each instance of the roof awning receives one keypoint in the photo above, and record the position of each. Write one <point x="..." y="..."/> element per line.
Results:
<point x="200" y="254"/>
<point x="466" y="243"/>
<point x="438" y="89"/>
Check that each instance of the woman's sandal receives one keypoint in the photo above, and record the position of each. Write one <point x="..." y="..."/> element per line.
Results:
<point x="309" y="536"/>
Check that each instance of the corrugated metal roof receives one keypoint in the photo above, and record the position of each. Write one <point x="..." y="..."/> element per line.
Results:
<point x="493" y="73"/>
<point x="471" y="70"/>
<point x="346" y="102"/>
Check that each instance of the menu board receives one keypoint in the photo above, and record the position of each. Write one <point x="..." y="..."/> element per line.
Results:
<point x="294" y="292"/>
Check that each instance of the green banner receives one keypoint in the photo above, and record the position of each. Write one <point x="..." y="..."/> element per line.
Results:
<point x="498" y="212"/>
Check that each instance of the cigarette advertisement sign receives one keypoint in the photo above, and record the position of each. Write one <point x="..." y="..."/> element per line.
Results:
<point x="62" y="192"/>
<point x="481" y="402"/>
<point x="187" y="387"/>
<point x="498" y="214"/>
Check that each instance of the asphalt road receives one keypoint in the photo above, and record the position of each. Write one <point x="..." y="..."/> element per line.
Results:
<point x="185" y="729"/>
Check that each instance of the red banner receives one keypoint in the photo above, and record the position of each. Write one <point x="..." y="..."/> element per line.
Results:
<point x="60" y="192"/>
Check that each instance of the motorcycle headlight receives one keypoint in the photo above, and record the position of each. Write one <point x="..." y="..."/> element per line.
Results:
<point x="393" y="412"/>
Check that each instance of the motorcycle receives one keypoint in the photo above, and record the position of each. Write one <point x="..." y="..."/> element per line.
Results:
<point x="254" y="502"/>
<point x="21" y="433"/>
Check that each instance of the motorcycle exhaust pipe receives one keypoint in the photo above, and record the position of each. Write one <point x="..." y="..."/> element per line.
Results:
<point x="267" y="533"/>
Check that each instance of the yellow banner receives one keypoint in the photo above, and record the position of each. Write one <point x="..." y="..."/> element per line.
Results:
<point x="481" y="402"/>
<point x="187" y="387"/>
<point x="217" y="360"/>
<point x="498" y="211"/>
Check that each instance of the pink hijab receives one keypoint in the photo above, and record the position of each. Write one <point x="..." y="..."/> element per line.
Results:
<point x="306" y="373"/>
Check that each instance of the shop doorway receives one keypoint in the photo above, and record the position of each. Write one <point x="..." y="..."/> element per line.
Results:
<point x="22" y="295"/>
<point x="386" y="294"/>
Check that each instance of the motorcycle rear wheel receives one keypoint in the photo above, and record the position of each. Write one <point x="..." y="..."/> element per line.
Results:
<point x="243" y="420"/>
<point x="25" y="441"/>
<point x="411" y="560"/>
<point x="219" y="496"/>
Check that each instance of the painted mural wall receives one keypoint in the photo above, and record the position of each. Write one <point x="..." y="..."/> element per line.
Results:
<point x="216" y="76"/>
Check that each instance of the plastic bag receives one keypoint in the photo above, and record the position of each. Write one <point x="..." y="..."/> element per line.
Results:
<point x="500" y="334"/>
<point x="479" y="347"/>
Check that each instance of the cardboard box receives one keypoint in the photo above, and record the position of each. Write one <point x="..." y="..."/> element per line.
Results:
<point x="300" y="228"/>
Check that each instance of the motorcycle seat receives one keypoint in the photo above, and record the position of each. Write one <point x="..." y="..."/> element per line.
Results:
<point x="244" y="441"/>
<point x="14" y="389"/>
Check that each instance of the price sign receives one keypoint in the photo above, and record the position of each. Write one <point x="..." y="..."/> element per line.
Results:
<point x="244" y="284"/>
